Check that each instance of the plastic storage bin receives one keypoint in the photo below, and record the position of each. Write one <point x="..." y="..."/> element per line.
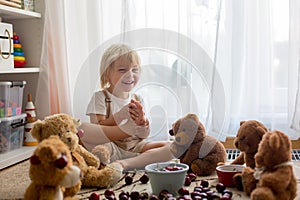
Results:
<point x="12" y="132"/>
<point x="11" y="98"/>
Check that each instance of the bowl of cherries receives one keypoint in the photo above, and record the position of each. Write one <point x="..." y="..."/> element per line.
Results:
<point x="168" y="176"/>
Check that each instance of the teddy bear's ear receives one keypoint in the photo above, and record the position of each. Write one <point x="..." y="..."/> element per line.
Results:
<point x="261" y="131"/>
<point x="274" y="140"/>
<point x="37" y="130"/>
<point x="242" y="122"/>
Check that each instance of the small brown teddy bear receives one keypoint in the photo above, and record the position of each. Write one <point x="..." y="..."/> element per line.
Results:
<point x="273" y="177"/>
<point x="65" y="127"/>
<point x="194" y="148"/>
<point x="247" y="139"/>
<point x="51" y="169"/>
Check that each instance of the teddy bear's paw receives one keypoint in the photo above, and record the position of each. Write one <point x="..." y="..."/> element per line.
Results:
<point x="116" y="172"/>
<point x="103" y="153"/>
<point x="237" y="179"/>
<point x="262" y="194"/>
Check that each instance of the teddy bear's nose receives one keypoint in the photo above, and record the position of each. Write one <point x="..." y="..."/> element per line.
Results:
<point x="69" y="139"/>
<point x="171" y="132"/>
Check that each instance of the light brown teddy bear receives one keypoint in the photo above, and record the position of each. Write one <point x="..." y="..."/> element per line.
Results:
<point x="273" y="177"/>
<point x="51" y="169"/>
<point x="65" y="127"/>
<point x="194" y="147"/>
<point x="247" y="139"/>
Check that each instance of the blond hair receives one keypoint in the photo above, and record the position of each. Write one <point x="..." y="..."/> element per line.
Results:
<point x="111" y="54"/>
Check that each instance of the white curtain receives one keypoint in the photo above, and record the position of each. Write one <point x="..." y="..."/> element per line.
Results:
<point x="226" y="61"/>
<point x="294" y="63"/>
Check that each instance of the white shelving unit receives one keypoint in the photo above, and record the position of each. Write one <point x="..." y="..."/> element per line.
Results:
<point x="29" y="26"/>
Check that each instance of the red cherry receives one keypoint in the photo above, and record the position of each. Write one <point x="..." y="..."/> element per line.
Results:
<point x="187" y="181"/>
<point x="225" y="197"/>
<point x="154" y="197"/>
<point x="173" y="168"/>
<point x="109" y="192"/>
<point x="220" y="187"/>
<point x="204" y="183"/>
<point x="195" y="193"/>
<point x="192" y="176"/>
<point x="228" y="192"/>
<point x="183" y="191"/>
<point x="94" y="196"/>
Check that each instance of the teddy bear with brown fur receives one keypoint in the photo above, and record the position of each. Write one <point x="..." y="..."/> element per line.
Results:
<point x="194" y="147"/>
<point x="273" y="177"/>
<point x="51" y="170"/>
<point x="65" y="127"/>
<point x="247" y="139"/>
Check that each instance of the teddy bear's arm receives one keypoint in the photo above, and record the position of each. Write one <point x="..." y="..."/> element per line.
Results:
<point x="278" y="180"/>
<point x="190" y="155"/>
<point x="240" y="160"/>
<point x="248" y="180"/>
<point x="89" y="158"/>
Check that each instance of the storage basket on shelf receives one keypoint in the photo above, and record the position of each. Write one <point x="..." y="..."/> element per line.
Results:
<point x="11" y="98"/>
<point x="11" y="132"/>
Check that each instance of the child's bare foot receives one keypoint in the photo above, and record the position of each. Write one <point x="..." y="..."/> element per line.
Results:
<point x="137" y="113"/>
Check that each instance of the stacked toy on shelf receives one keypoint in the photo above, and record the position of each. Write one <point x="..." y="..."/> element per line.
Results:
<point x="29" y="140"/>
<point x="19" y="57"/>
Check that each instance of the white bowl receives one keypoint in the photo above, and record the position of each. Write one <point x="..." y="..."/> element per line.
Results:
<point x="161" y="179"/>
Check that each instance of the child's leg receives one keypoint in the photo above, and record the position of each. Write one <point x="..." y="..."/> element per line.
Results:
<point x="153" y="145"/>
<point x="95" y="134"/>
<point x="161" y="154"/>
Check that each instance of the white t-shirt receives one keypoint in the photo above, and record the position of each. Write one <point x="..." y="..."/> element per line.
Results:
<point x="97" y="103"/>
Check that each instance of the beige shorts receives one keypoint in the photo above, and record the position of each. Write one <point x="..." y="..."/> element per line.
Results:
<point x="117" y="153"/>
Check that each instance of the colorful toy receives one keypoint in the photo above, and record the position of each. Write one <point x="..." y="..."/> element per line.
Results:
<point x="30" y="120"/>
<point x="19" y="57"/>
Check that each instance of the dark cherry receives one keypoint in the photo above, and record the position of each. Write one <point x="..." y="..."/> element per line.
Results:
<point x="225" y="196"/>
<point x="187" y="181"/>
<point x="183" y="191"/>
<point x="128" y="180"/>
<point x="220" y="187"/>
<point x="94" y="196"/>
<point x="192" y="176"/>
<point x="154" y="197"/>
<point x="124" y="195"/>
<point x="109" y="192"/>
<point x="195" y="193"/>
<point x="134" y="195"/>
<point x="229" y="192"/>
<point x="143" y="196"/>
<point x="163" y="194"/>
<point x="144" y="178"/>
<point x="204" y="183"/>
